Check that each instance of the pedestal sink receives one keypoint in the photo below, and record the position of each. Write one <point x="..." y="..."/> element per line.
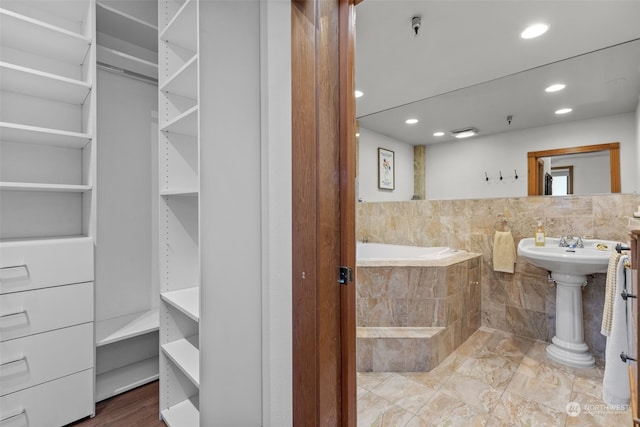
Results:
<point x="569" y="268"/>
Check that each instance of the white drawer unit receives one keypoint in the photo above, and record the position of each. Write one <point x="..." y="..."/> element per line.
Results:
<point x="33" y="264"/>
<point x="28" y="361"/>
<point x="51" y="404"/>
<point x="32" y="312"/>
<point x="48" y="215"/>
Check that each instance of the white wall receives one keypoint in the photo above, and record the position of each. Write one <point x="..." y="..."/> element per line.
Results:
<point x="277" y="327"/>
<point x="456" y="170"/>
<point x="368" y="168"/>
<point x="126" y="258"/>
<point x="590" y="174"/>
<point x="246" y="330"/>
<point x="637" y="165"/>
<point x="245" y="208"/>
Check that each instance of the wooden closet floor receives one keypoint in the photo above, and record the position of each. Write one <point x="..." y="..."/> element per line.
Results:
<point x="136" y="408"/>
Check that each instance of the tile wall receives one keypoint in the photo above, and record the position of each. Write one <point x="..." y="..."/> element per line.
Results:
<point x="522" y="303"/>
<point x="444" y="301"/>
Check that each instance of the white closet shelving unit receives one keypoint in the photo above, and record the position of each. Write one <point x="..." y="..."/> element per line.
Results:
<point x="179" y="212"/>
<point x="47" y="210"/>
<point x="127" y="37"/>
<point x="127" y="319"/>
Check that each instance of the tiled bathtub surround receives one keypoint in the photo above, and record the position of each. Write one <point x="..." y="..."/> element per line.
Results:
<point x="410" y="318"/>
<point x="522" y="303"/>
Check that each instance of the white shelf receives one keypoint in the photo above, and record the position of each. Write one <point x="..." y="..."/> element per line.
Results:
<point x="37" y="37"/>
<point x="184" y="82"/>
<point x="179" y="192"/>
<point x="185" y="355"/>
<point x="181" y="31"/>
<point x="72" y="11"/>
<point x="43" y="85"/>
<point x="129" y="326"/>
<point x="127" y="62"/>
<point x="185" y="300"/>
<point x="183" y="414"/>
<point x="126" y="27"/>
<point x="47" y="239"/>
<point x="35" y="186"/>
<point x="13" y="132"/>
<point x="185" y="124"/>
<point x="126" y="378"/>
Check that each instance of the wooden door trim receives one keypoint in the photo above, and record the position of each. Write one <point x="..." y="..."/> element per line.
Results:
<point x="614" y="163"/>
<point x="304" y="369"/>
<point x="322" y="78"/>
<point x="348" y="208"/>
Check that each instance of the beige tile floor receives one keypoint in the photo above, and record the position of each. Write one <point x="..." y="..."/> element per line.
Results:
<point x="494" y="379"/>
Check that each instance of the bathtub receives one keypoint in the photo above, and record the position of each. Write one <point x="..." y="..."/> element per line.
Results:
<point x="376" y="253"/>
<point x="414" y="305"/>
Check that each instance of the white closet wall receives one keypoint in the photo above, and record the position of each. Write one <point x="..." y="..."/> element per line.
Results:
<point x="127" y="214"/>
<point x="47" y="211"/>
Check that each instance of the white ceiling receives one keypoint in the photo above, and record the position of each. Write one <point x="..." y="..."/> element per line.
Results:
<point x="466" y="43"/>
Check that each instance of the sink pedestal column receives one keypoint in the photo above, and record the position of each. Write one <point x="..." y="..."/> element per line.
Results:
<point x="568" y="346"/>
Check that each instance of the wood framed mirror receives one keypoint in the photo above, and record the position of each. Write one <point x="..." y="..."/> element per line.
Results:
<point x="535" y="173"/>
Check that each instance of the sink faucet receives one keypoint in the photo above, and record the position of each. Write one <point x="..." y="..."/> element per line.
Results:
<point x="365" y="239"/>
<point x="571" y="242"/>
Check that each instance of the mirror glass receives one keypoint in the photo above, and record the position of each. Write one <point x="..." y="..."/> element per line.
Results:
<point x="514" y="115"/>
<point x="565" y="179"/>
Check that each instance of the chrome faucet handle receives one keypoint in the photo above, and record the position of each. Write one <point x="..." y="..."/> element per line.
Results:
<point x="579" y="243"/>
<point x="563" y="242"/>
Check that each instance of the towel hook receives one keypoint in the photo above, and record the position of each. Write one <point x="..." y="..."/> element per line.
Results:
<point x="620" y="248"/>
<point x="500" y="175"/>
<point x="504" y="222"/>
<point x="486" y="177"/>
<point x="626" y="295"/>
<point x="516" y="172"/>
<point x="624" y="357"/>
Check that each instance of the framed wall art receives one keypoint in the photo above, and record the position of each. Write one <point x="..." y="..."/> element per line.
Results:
<point x="386" y="169"/>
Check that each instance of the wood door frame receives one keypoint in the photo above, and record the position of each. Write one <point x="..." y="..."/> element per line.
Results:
<point x="323" y="226"/>
<point x="614" y="163"/>
<point x="348" y="173"/>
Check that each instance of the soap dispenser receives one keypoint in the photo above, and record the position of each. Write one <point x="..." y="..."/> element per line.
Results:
<point x="539" y="236"/>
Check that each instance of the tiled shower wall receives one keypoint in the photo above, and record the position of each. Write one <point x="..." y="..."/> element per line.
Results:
<point x="522" y="303"/>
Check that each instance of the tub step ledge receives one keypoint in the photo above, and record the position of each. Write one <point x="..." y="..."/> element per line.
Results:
<point x="398" y="332"/>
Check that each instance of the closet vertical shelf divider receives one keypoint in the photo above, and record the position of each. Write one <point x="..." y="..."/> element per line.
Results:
<point x="47" y="210"/>
<point x="179" y="183"/>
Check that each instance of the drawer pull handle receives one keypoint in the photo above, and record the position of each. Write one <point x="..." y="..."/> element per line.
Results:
<point x="17" y="313"/>
<point x="22" y="358"/>
<point x="10" y="417"/>
<point x="14" y="277"/>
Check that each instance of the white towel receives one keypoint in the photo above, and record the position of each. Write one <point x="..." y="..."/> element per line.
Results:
<point x="504" y="252"/>
<point x="615" y="384"/>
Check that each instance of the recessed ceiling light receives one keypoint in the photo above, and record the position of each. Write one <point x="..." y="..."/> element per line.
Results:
<point x="411" y="121"/>
<point x="564" y="110"/>
<point x="555" y="87"/>
<point x="358" y="93"/>
<point x="534" y="31"/>
<point x="438" y="134"/>
<point x="464" y="133"/>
